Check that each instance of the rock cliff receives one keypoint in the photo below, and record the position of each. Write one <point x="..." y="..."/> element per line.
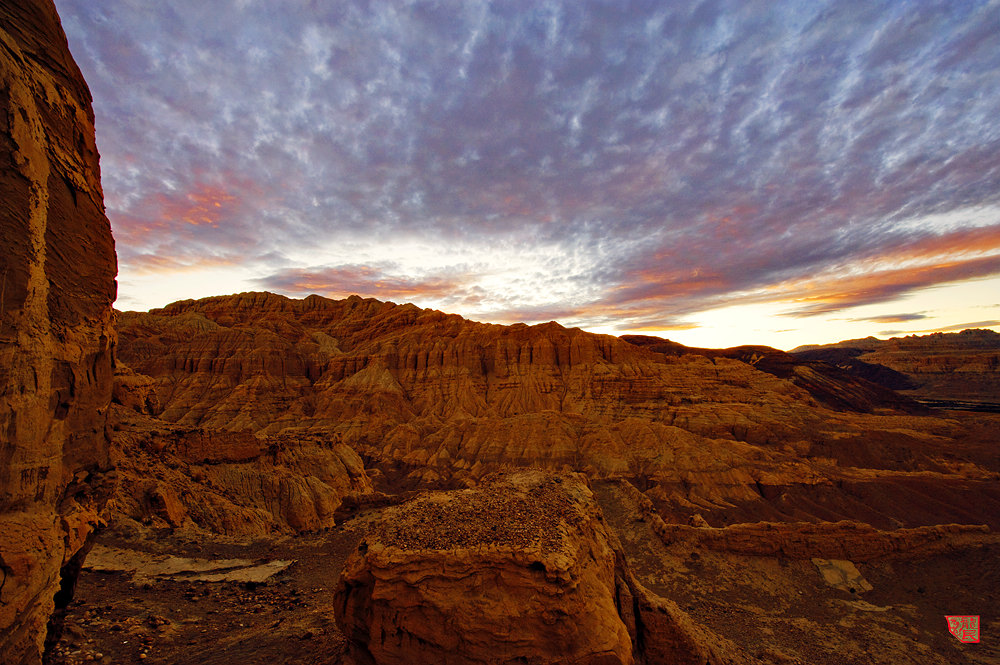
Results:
<point x="233" y="483"/>
<point x="434" y="400"/>
<point x="840" y="388"/>
<point x="945" y="369"/>
<point x="521" y="569"/>
<point x="57" y="283"/>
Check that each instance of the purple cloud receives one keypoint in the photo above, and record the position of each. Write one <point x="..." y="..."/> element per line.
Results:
<point x="727" y="146"/>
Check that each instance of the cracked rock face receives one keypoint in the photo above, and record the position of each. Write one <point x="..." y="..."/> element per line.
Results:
<point x="521" y="569"/>
<point x="57" y="283"/>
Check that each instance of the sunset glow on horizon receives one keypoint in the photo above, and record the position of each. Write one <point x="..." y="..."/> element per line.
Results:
<point x="717" y="173"/>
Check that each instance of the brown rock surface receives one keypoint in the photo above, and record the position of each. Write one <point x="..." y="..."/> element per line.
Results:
<point x="850" y="540"/>
<point x="782" y="609"/>
<point x="776" y="609"/>
<point x="806" y="540"/>
<point x="57" y="270"/>
<point x="829" y="384"/>
<point x="433" y="400"/>
<point x="233" y="483"/>
<point x="941" y="367"/>
<point x="135" y="391"/>
<point x="521" y="569"/>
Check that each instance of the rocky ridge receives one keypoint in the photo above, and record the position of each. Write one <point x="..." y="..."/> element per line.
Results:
<point x="433" y="400"/>
<point x="946" y="369"/>
<point x="57" y="283"/>
<point x="233" y="483"/>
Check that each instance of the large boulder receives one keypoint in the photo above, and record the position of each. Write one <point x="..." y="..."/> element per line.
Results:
<point x="57" y="283"/>
<point x="520" y="569"/>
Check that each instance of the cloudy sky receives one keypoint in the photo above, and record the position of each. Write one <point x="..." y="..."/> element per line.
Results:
<point x="716" y="172"/>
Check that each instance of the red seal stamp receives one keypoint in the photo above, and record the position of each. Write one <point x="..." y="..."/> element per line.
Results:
<point x="964" y="627"/>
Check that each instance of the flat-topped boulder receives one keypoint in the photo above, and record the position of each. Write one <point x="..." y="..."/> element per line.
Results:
<point x="519" y="569"/>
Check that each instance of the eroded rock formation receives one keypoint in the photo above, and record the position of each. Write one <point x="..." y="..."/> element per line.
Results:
<point x="520" y="569"/>
<point x="233" y="483"/>
<point x="57" y="270"/>
<point x="433" y="400"/>
<point x="941" y="368"/>
<point x="807" y="540"/>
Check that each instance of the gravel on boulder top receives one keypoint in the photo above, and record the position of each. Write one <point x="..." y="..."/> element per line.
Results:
<point x="497" y="513"/>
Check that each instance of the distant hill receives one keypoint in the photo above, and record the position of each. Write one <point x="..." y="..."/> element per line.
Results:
<point x="959" y="370"/>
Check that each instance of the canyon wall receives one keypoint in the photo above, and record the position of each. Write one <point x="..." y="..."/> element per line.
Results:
<point x="434" y="400"/>
<point x="57" y="284"/>
<point x="950" y="369"/>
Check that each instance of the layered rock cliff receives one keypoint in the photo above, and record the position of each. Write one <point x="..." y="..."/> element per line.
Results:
<point x="433" y="400"/>
<point x="940" y="368"/>
<point x="57" y="270"/>
<point x="233" y="483"/>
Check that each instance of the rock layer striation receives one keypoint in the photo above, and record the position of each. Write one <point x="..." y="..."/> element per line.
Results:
<point x="434" y="400"/>
<point x="233" y="483"/>
<point x="57" y="270"/>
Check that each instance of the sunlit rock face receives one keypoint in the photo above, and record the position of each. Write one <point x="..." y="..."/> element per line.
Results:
<point x="521" y="569"/>
<point x="234" y="483"/>
<point x="434" y="400"/>
<point x="57" y="271"/>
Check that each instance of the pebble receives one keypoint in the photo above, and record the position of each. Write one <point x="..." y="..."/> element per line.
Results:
<point x="497" y="515"/>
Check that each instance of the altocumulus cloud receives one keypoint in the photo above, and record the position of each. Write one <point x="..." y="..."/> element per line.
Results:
<point x="627" y="163"/>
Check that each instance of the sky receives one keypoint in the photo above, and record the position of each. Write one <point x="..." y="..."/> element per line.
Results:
<point x="713" y="172"/>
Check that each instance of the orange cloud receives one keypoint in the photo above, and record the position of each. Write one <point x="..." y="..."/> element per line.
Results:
<point x="658" y="295"/>
<point x="202" y="205"/>
<point x="212" y="202"/>
<point x="367" y="281"/>
<point x="841" y="292"/>
<point x="964" y="326"/>
<point x="980" y="240"/>
<point x="151" y="264"/>
<point x="654" y="287"/>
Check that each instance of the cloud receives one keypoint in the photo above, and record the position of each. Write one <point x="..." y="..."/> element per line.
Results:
<point x="893" y="318"/>
<point x="156" y="264"/>
<point x="663" y="278"/>
<point x="367" y="281"/>
<point x="835" y="294"/>
<point x="690" y="156"/>
<point x="965" y="326"/>
<point x="944" y="329"/>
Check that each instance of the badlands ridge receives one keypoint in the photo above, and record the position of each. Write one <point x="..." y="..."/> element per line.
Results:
<point x="257" y="479"/>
